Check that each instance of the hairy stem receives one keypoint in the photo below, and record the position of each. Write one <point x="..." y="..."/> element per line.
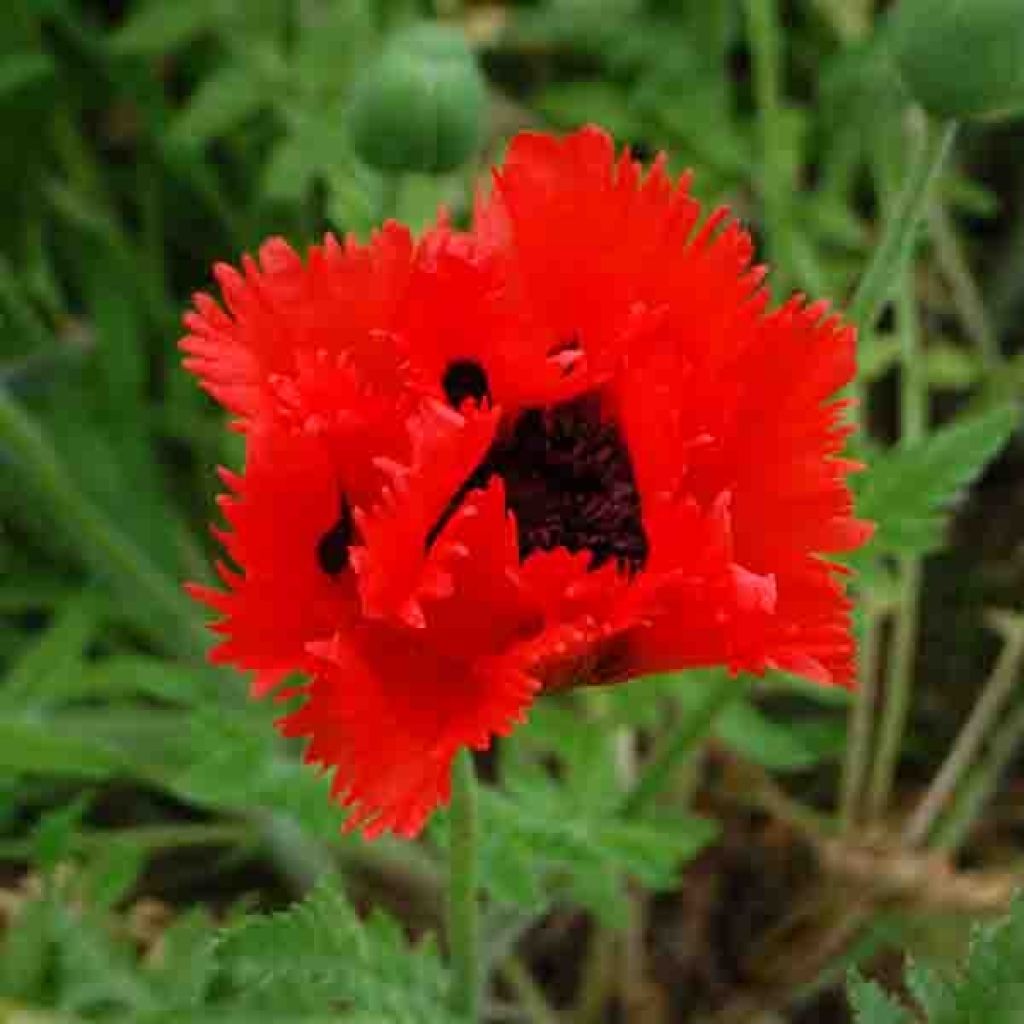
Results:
<point x="463" y="919"/>
<point x="861" y="717"/>
<point x="983" y="717"/>
<point x="973" y="796"/>
<point x="766" y="48"/>
<point x="899" y="232"/>
<point x="967" y="298"/>
<point x="900" y="681"/>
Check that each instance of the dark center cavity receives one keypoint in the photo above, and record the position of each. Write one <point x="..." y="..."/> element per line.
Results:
<point x="332" y="548"/>
<point x="465" y="378"/>
<point x="569" y="482"/>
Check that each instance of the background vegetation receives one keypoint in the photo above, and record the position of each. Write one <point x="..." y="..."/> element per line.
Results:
<point x="686" y="849"/>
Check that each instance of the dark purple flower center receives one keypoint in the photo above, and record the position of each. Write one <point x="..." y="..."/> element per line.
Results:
<point x="568" y="480"/>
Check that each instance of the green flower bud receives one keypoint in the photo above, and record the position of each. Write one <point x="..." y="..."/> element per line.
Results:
<point x="420" y="106"/>
<point x="961" y="58"/>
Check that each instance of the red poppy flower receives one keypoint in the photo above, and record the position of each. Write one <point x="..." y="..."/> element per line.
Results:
<point x="571" y="446"/>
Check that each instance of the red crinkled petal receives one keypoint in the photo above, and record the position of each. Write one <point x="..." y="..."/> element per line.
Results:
<point x="393" y="559"/>
<point x="457" y="310"/>
<point x="387" y="714"/>
<point x="279" y="599"/>
<point x="342" y="300"/>
<point x="578" y="234"/>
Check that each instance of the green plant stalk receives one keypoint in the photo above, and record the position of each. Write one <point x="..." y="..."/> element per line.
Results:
<point x="984" y="715"/>
<point x="892" y="255"/>
<point x="659" y="772"/>
<point x="463" y="909"/>
<point x="861" y="717"/>
<point x="967" y="296"/>
<point x="100" y="543"/>
<point x="766" y="48"/>
<point x="899" y="685"/>
<point x="974" y="795"/>
<point x="900" y="679"/>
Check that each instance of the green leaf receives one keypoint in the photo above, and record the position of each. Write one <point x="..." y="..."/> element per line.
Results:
<point x="38" y="748"/>
<point x="989" y="989"/>
<point x="25" y="953"/>
<point x="157" y="27"/>
<point x="54" y="836"/>
<point x="224" y="100"/>
<point x="320" y="953"/>
<point x="872" y="1006"/>
<point x="546" y="837"/>
<point x="20" y="71"/>
<point x="130" y="675"/>
<point x="790" y="746"/>
<point x="185" y="967"/>
<point x="906" y="490"/>
<point x="112" y="873"/>
<point x="238" y="762"/>
<point x="54" y="657"/>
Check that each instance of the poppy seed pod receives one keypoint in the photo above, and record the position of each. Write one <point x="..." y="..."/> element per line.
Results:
<point x="420" y="106"/>
<point x="961" y="60"/>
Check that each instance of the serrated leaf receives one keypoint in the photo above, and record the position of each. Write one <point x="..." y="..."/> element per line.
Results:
<point x="185" y="966"/>
<point x="906" y="490"/>
<point x="780" y="746"/>
<point x="988" y="990"/>
<point x="546" y="837"/>
<point x="872" y="1006"/>
<point x="320" y="947"/>
<point x="237" y="762"/>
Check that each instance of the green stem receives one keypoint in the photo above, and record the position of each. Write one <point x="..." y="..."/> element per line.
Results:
<point x="967" y="297"/>
<point x="862" y="713"/>
<point x="892" y="255"/>
<point x="100" y="543"/>
<point x="656" y="776"/>
<point x="766" y="49"/>
<point x="974" y="795"/>
<point x="984" y="715"/>
<point x="463" y="911"/>
<point x="899" y="686"/>
<point x="900" y="680"/>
